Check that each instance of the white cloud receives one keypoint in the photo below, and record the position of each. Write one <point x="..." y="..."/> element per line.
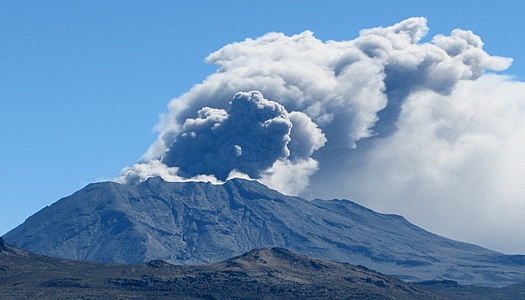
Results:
<point x="395" y="124"/>
<point x="455" y="166"/>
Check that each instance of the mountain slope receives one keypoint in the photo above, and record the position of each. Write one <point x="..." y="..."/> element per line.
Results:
<point x="196" y="222"/>
<point x="471" y="292"/>
<point x="260" y="274"/>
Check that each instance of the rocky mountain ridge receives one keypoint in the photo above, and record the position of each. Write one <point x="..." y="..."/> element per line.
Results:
<point x="271" y="273"/>
<point x="197" y="223"/>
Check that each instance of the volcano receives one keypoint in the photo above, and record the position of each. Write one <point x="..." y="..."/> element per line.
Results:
<point x="193" y="223"/>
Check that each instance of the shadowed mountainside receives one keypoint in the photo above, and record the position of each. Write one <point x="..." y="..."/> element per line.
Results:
<point x="197" y="222"/>
<point x="272" y="273"/>
<point x="471" y="292"/>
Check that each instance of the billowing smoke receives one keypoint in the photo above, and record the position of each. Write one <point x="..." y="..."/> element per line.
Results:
<point x="248" y="137"/>
<point x="393" y="123"/>
<point x="253" y="138"/>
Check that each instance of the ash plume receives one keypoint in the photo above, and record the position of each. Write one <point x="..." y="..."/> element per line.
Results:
<point x="337" y="92"/>
<point x="248" y="137"/>
<point x="383" y="119"/>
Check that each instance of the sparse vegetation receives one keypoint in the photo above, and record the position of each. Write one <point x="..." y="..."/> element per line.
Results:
<point x="272" y="273"/>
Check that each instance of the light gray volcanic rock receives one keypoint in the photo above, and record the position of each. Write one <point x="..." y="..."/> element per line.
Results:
<point x="197" y="222"/>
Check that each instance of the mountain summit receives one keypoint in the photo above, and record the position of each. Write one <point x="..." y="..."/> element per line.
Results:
<point x="198" y="222"/>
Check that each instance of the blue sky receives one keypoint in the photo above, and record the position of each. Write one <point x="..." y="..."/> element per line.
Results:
<point x="82" y="83"/>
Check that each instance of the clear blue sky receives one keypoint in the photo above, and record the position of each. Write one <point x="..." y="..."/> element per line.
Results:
<point x="82" y="83"/>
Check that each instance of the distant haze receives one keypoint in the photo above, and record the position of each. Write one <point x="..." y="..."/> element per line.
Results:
<point x="418" y="129"/>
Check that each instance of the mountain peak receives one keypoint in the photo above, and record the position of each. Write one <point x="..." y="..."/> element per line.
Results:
<point x="277" y="257"/>
<point x="200" y="222"/>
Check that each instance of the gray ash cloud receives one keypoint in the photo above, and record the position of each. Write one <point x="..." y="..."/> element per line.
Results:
<point x="248" y="137"/>
<point x="418" y="125"/>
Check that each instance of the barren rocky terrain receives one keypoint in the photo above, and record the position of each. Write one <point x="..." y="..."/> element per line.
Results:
<point x="197" y="222"/>
<point x="272" y="273"/>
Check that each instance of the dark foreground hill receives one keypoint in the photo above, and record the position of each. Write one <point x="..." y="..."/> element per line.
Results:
<point x="271" y="273"/>
<point x="197" y="222"/>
